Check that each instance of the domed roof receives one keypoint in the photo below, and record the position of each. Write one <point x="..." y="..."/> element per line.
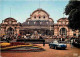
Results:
<point x="10" y="19"/>
<point x="40" y="10"/>
<point x="63" y="19"/>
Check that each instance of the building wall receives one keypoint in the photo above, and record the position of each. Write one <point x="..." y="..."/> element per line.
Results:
<point x="42" y="15"/>
<point x="63" y="23"/>
<point x="9" y="23"/>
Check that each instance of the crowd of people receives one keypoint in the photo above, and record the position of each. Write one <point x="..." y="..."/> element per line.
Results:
<point x="19" y="36"/>
<point x="28" y="36"/>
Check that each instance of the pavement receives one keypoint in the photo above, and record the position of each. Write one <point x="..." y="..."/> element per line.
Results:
<point x="69" y="52"/>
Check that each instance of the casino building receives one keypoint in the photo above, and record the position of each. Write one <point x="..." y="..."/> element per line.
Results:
<point x="39" y="22"/>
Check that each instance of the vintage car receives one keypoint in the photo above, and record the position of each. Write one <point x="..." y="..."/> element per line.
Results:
<point x="57" y="45"/>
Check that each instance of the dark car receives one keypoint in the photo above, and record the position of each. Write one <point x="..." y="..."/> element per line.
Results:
<point x="56" y="44"/>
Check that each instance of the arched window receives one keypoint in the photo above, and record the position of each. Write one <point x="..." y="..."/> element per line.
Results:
<point x="10" y="30"/>
<point x="63" y="32"/>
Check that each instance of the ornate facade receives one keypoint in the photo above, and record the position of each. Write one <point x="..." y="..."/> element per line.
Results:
<point x="9" y="26"/>
<point x="61" y="28"/>
<point x="39" y="22"/>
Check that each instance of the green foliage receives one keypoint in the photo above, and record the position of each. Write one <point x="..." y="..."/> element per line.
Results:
<point x="73" y="10"/>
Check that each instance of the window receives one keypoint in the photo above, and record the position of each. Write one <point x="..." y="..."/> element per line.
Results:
<point x="44" y="17"/>
<point x="34" y="16"/>
<point x="39" y="17"/>
<point x="63" y="31"/>
<point x="15" y="27"/>
<point x="74" y="34"/>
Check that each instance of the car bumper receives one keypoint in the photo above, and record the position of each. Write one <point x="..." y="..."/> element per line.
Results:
<point x="62" y="47"/>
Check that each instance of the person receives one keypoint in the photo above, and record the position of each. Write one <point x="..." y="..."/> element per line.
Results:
<point x="4" y="37"/>
<point x="25" y="37"/>
<point x="8" y="38"/>
<point x="61" y="39"/>
<point x="40" y="37"/>
<point x="71" y="43"/>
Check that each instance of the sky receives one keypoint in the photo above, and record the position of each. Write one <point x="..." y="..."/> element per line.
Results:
<point x="21" y="9"/>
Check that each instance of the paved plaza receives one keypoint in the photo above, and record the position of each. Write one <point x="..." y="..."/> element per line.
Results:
<point x="69" y="52"/>
<point x="31" y="28"/>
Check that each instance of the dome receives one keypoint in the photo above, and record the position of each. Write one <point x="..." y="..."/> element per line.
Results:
<point x="62" y="19"/>
<point x="40" y="14"/>
<point x="40" y="10"/>
<point x="10" y="19"/>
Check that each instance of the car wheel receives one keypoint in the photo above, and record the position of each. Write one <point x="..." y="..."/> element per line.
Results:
<point x="51" y="47"/>
<point x="55" y="47"/>
<point x="63" y="48"/>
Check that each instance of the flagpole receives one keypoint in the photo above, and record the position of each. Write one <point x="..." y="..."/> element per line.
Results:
<point x="10" y="11"/>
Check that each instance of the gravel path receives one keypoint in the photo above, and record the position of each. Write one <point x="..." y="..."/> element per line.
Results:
<point x="69" y="52"/>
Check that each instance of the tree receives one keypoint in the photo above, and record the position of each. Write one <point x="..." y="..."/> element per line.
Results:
<point x="73" y="10"/>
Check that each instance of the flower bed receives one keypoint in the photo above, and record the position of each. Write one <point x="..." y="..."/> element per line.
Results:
<point x="4" y="44"/>
<point x="14" y="45"/>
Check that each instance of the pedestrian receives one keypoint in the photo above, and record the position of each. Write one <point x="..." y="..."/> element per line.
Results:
<point x="7" y="39"/>
<point x="25" y="37"/>
<point x="71" y="43"/>
<point x="40" y="37"/>
<point x="4" y="37"/>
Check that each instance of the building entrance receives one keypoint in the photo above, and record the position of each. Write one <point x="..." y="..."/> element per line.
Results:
<point x="10" y="31"/>
<point x="63" y="32"/>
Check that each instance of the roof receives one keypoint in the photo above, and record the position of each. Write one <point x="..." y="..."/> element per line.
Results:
<point x="10" y="18"/>
<point x="66" y="19"/>
<point x="37" y="23"/>
<point x="39" y="9"/>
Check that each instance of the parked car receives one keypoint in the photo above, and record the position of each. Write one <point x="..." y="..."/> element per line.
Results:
<point x="56" y="44"/>
<point x="76" y="42"/>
